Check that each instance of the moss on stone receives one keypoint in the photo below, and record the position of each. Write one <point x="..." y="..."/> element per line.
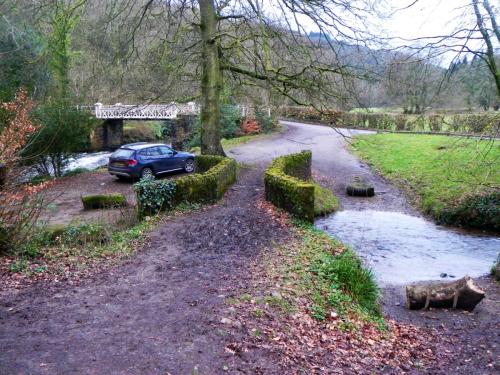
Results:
<point x="287" y="191"/>
<point x="103" y="201"/>
<point x="218" y="173"/>
<point x="288" y="185"/>
<point x="324" y="201"/>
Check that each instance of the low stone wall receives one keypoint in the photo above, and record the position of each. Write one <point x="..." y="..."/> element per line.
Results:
<point x="214" y="175"/>
<point x="286" y="186"/>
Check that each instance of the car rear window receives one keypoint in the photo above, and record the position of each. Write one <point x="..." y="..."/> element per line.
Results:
<point x="122" y="153"/>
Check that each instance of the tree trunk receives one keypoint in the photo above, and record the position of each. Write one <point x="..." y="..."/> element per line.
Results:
<point x="459" y="294"/>
<point x="490" y="51"/>
<point x="211" y="85"/>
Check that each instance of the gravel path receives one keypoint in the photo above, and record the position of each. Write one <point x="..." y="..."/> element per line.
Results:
<point x="331" y="160"/>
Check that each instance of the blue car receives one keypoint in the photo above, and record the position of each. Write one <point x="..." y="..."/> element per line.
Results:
<point x="143" y="160"/>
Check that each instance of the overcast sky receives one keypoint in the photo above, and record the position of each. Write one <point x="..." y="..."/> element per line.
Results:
<point x="426" y="17"/>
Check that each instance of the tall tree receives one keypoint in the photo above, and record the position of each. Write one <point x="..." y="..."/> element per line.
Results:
<point x="63" y="18"/>
<point x="211" y="80"/>
<point x="477" y="34"/>
<point x="489" y="55"/>
<point x="259" y="44"/>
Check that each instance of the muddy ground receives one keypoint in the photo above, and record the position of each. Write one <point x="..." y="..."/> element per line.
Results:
<point x="160" y="313"/>
<point x="64" y="197"/>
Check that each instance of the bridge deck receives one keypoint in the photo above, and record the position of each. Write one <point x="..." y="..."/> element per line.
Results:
<point x="144" y="111"/>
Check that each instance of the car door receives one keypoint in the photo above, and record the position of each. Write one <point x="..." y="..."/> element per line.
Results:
<point x="168" y="158"/>
<point x="155" y="159"/>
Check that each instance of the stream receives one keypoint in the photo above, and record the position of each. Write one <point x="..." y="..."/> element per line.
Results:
<point x="401" y="248"/>
<point x="91" y="160"/>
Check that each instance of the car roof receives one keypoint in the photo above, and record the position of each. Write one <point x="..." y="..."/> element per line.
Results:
<point x="141" y="145"/>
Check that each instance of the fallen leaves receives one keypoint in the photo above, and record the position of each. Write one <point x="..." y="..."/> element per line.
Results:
<point x="280" y="216"/>
<point x="296" y="341"/>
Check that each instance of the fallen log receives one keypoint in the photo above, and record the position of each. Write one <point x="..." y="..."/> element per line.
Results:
<point x="460" y="294"/>
<point x="360" y="188"/>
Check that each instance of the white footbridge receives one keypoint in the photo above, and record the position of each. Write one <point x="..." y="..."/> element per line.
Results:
<point x="145" y="111"/>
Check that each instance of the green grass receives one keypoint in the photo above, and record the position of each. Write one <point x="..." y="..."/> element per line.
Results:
<point x="452" y="177"/>
<point x="324" y="201"/>
<point x="317" y="274"/>
<point x="331" y="276"/>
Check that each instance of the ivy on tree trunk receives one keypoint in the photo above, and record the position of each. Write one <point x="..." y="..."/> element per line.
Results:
<point x="211" y="86"/>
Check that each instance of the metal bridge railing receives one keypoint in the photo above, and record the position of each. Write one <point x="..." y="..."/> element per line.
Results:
<point x="144" y="112"/>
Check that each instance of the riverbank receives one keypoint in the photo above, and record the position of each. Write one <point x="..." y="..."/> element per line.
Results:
<point x="454" y="180"/>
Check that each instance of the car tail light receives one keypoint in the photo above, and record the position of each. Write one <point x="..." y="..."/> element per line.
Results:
<point x="131" y="163"/>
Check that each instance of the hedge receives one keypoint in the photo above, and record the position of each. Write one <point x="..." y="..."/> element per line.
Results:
<point x="285" y="186"/>
<point x="476" y="211"/>
<point x="217" y="173"/>
<point x="214" y="174"/>
<point x="471" y="123"/>
<point x="103" y="201"/>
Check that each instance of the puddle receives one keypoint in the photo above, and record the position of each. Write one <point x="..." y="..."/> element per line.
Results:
<point x="401" y="248"/>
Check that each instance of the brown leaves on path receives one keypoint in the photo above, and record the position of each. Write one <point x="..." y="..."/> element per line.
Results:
<point x="276" y="328"/>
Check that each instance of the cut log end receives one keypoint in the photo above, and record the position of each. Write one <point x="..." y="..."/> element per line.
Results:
<point x="359" y="187"/>
<point x="460" y="294"/>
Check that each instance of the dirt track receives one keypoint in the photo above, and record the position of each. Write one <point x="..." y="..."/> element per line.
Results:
<point x="155" y="315"/>
<point x="160" y="313"/>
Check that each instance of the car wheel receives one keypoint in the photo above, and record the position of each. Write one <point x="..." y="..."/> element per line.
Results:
<point x="147" y="173"/>
<point x="189" y="165"/>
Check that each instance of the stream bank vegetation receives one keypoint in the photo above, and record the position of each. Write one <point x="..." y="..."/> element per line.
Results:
<point x="455" y="180"/>
<point x="312" y="290"/>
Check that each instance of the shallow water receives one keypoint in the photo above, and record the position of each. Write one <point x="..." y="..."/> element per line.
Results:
<point x="401" y="248"/>
<point x="88" y="160"/>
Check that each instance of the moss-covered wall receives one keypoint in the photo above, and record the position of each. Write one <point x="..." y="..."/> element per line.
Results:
<point x="91" y="202"/>
<point x="298" y="165"/>
<point x="285" y="188"/>
<point x="214" y="175"/>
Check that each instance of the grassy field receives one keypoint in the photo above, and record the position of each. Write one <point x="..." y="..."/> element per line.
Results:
<point x="455" y="179"/>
